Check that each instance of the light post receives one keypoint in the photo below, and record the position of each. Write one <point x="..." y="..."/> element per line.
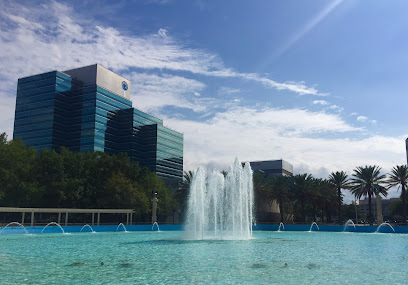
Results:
<point x="154" y="207"/>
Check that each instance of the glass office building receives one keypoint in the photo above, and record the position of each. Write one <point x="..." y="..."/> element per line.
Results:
<point x="89" y="109"/>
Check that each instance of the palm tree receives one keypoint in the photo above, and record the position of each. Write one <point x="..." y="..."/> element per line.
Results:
<point x="339" y="180"/>
<point x="262" y="188"/>
<point x="280" y="190"/>
<point x="399" y="177"/>
<point x="328" y="198"/>
<point x="320" y="197"/>
<point x="367" y="182"/>
<point x="184" y="188"/>
<point x="302" y="184"/>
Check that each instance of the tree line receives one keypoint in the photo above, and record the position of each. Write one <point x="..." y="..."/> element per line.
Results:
<point x="63" y="179"/>
<point x="303" y="195"/>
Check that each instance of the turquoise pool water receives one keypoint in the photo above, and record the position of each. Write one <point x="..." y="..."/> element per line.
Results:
<point x="164" y="258"/>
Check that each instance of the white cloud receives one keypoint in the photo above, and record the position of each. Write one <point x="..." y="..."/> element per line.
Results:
<point x="197" y="94"/>
<point x="268" y="134"/>
<point x="361" y="118"/>
<point x="255" y="135"/>
<point x="336" y="108"/>
<point x="53" y="36"/>
<point x="152" y="92"/>
<point x="365" y="119"/>
<point x="7" y="106"/>
<point x="162" y="33"/>
<point x="228" y="90"/>
<point x="298" y="87"/>
<point x="50" y="37"/>
<point x="320" y="102"/>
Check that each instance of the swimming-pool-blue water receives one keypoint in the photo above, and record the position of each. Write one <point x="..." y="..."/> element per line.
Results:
<point x="164" y="258"/>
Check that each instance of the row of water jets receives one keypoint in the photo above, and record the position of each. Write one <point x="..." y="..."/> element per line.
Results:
<point x="121" y="225"/>
<point x="156" y="226"/>
<point x="346" y="225"/>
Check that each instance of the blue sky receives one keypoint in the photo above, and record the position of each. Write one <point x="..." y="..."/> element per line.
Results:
<point x="320" y="84"/>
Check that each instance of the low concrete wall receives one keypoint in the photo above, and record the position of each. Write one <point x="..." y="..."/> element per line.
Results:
<point x="113" y="228"/>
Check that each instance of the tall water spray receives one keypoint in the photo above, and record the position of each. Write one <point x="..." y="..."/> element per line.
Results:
<point x="221" y="207"/>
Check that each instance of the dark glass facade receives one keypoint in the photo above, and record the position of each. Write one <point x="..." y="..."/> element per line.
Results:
<point x="54" y="110"/>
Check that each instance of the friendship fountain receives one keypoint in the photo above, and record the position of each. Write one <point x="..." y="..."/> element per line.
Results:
<point x="218" y="208"/>
<point x="221" y="207"/>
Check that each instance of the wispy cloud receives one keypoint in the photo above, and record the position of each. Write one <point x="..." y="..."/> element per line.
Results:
<point x="162" y="33"/>
<point x="365" y="119"/>
<point x="152" y="92"/>
<point x="320" y="102"/>
<point x="227" y="90"/>
<point x="54" y="36"/>
<point x="336" y="108"/>
<point x="298" y="87"/>
<point x="284" y="133"/>
<point x="253" y="134"/>
<point x="362" y="119"/>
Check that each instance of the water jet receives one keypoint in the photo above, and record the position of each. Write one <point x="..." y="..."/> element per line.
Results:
<point x="53" y="223"/>
<point x="221" y="207"/>
<point x="311" y="227"/>
<point x="121" y="225"/>
<point x="14" y="223"/>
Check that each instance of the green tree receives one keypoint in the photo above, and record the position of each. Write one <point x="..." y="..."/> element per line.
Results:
<point x="399" y="177"/>
<point x="48" y="172"/>
<point x="183" y="190"/>
<point x="321" y="196"/>
<point x="329" y="199"/>
<point x="350" y="211"/>
<point x="3" y="138"/>
<point x="78" y="180"/>
<point x="279" y="187"/>
<point x="339" y="180"/>
<point x="302" y="184"/>
<point x="396" y="210"/>
<point x="367" y="181"/>
<point x="121" y="191"/>
<point x="262" y="188"/>
<point x="16" y="180"/>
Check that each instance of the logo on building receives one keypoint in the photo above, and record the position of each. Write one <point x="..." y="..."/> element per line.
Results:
<point x="124" y="85"/>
